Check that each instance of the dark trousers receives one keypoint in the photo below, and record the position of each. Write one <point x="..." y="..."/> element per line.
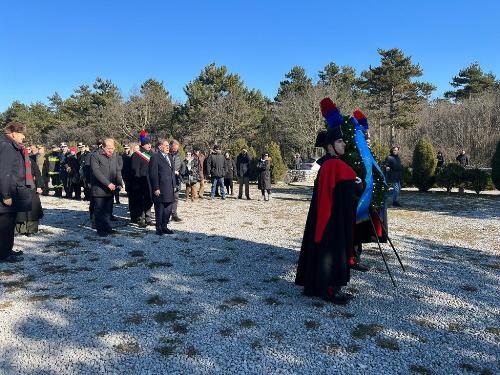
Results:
<point x="175" y="203"/>
<point x="244" y="181"/>
<point x="140" y="201"/>
<point x="228" y="183"/>
<point x="7" y="226"/>
<point x="103" y="209"/>
<point x="163" y="210"/>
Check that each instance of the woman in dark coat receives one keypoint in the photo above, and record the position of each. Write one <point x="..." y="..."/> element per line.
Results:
<point x="27" y="222"/>
<point x="264" y="181"/>
<point x="230" y="170"/>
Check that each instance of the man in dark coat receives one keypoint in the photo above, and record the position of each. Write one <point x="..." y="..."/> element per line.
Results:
<point x="163" y="185"/>
<point x="463" y="159"/>
<point x="140" y="189"/>
<point x="394" y="174"/>
<point x="106" y="178"/>
<point x="176" y="158"/>
<point x="327" y="249"/>
<point x="15" y="195"/>
<point x="243" y="169"/>
<point x="215" y="166"/>
<point x="63" y="169"/>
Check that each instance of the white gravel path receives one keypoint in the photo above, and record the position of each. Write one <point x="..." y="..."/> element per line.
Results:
<point x="218" y="296"/>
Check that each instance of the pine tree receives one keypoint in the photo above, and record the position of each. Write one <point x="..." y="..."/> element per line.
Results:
<point x="296" y="81"/>
<point x="394" y="94"/>
<point x="279" y="168"/>
<point x="471" y="81"/>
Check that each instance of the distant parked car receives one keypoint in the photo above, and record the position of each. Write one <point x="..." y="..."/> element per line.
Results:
<point x="310" y="165"/>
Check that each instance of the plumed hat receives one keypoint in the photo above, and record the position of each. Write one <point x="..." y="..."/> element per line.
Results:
<point x="144" y="138"/>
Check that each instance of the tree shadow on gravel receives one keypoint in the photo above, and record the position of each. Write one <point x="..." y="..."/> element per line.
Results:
<point x="200" y="303"/>
<point x="452" y="204"/>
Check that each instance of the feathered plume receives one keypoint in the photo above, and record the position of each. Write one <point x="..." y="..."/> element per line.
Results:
<point x="142" y="135"/>
<point x="361" y="118"/>
<point x="331" y="113"/>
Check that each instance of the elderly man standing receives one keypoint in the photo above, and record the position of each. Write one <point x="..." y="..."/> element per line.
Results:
<point x="106" y="179"/>
<point x="176" y="158"/>
<point x="15" y="194"/>
<point x="162" y="179"/>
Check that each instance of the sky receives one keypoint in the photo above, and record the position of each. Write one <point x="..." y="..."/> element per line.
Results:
<point x="49" y="46"/>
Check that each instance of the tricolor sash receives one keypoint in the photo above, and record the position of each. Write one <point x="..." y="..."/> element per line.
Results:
<point x="144" y="155"/>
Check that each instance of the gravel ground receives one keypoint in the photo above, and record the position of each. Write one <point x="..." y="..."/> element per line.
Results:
<point x="218" y="296"/>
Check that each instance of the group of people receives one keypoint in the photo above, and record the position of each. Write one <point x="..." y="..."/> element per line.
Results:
<point x="151" y="177"/>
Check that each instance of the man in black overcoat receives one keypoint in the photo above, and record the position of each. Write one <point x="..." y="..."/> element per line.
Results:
<point x="163" y="185"/>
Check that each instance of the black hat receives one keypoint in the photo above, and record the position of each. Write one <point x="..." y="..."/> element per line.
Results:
<point x="332" y="135"/>
<point x="145" y="141"/>
<point x="216" y="147"/>
<point x="320" y="139"/>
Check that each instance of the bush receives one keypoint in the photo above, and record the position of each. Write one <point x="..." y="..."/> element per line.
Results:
<point x="495" y="167"/>
<point x="407" y="180"/>
<point x="450" y="176"/>
<point x="424" y="165"/>
<point x="477" y="179"/>
<point x="279" y="167"/>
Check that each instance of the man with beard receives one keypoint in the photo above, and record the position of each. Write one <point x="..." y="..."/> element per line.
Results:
<point x="140" y="189"/>
<point x="327" y="246"/>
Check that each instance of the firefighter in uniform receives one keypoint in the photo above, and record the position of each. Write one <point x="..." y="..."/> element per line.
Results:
<point x="51" y="168"/>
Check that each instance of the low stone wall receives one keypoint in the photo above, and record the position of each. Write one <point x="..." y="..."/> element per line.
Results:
<point x="303" y="176"/>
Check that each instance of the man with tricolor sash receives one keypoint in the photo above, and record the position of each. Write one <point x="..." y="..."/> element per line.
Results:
<point x="140" y="200"/>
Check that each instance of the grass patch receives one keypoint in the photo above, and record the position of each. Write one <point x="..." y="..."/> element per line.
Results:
<point x="311" y="324"/>
<point x="223" y="260"/>
<point x="417" y="369"/>
<point x="353" y="349"/>
<point x="493" y="330"/>
<point x="236" y="302"/>
<point x="136" y="253"/>
<point x="332" y="348"/>
<point x="155" y="300"/>
<point x="272" y="301"/>
<point x="127" y="347"/>
<point x="247" y="323"/>
<point x="153" y="265"/>
<point x="180" y="328"/>
<point x="6" y="305"/>
<point x="167" y="316"/>
<point x="133" y="319"/>
<point x="192" y="352"/>
<point x="38" y="298"/>
<point x="469" y="288"/>
<point x="388" y="343"/>
<point x="362" y="331"/>
<point x="226" y="332"/>
<point x="455" y="327"/>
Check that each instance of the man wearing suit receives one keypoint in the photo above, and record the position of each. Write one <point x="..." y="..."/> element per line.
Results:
<point x="162" y="179"/>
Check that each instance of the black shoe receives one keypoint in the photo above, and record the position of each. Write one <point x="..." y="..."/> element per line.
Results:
<point x="223" y="198"/>
<point x="338" y="297"/>
<point x="176" y="218"/>
<point x="160" y="232"/>
<point x="16" y="253"/>
<point x="142" y="224"/>
<point x="113" y="231"/>
<point x="396" y="204"/>
<point x="358" y="266"/>
<point x="240" y="197"/>
<point x="149" y="222"/>
<point x="102" y="234"/>
<point x="167" y="231"/>
<point x="114" y="218"/>
<point x="117" y="202"/>
<point x="249" y="199"/>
